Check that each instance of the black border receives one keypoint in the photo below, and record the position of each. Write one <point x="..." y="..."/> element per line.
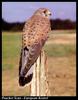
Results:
<point x="1" y="50"/>
<point x="35" y="97"/>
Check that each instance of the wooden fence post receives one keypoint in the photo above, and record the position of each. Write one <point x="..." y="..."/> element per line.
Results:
<point x="39" y="86"/>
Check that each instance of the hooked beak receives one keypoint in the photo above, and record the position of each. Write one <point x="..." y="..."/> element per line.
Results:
<point x="50" y="14"/>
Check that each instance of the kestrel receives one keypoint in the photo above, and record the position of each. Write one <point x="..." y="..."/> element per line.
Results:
<point x="34" y="36"/>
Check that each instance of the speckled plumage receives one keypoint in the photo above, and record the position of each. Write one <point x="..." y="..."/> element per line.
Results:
<point x="34" y="36"/>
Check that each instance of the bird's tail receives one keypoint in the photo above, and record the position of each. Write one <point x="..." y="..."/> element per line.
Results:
<point x="25" y="80"/>
<point x="23" y="77"/>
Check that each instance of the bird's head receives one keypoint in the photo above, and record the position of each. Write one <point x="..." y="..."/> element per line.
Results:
<point x="43" y="12"/>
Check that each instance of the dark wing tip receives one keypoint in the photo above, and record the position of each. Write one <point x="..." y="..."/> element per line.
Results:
<point x="25" y="80"/>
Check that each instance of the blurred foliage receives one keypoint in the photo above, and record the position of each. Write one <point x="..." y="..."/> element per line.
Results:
<point x="55" y="25"/>
<point x="62" y="24"/>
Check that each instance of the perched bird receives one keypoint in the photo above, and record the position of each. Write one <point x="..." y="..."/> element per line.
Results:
<point x="34" y="36"/>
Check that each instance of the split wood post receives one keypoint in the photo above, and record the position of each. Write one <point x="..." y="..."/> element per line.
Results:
<point x="39" y="86"/>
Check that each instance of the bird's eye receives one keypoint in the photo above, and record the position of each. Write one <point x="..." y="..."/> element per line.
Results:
<point x="45" y="11"/>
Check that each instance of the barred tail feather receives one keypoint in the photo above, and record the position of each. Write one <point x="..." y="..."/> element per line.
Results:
<point x="25" y="80"/>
